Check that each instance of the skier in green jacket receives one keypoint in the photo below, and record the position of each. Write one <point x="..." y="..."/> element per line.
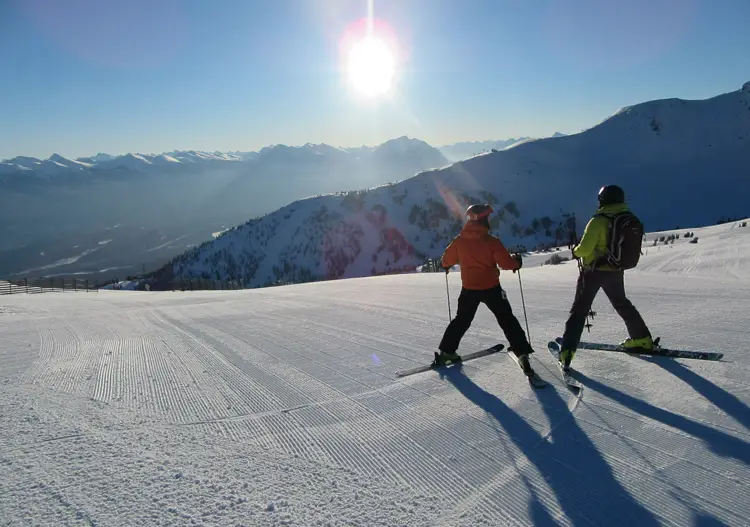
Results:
<point x="596" y="273"/>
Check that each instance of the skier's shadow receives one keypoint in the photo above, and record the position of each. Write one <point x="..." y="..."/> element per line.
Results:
<point x="717" y="395"/>
<point x="570" y="464"/>
<point x="718" y="441"/>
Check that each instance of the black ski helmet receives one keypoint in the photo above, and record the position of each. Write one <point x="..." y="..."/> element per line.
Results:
<point x="477" y="212"/>
<point x="610" y="194"/>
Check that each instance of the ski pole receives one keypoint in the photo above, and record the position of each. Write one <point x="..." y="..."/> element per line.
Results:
<point x="448" y="294"/>
<point x="523" y="303"/>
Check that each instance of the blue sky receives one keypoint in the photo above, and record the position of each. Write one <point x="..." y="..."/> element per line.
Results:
<point x="87" y="76"/>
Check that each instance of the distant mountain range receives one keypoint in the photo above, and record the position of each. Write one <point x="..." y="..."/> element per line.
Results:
<point x="467" y="149"/>
<point x="400" y="150"/>
<point x="681" y="163"/>
<point x="57" y="165"/>
<point x="105" y="215"/>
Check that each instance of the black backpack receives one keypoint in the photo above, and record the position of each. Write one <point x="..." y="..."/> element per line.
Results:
<point x="624" y="241"/>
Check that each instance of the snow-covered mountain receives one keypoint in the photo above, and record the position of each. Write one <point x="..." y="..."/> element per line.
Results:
<point x="403" y="150"/>
<point x="680" y="162"/>
<point x="57" y="209"/>
<point x="43" y="168"/>
<point x="101" y="163"/>
<point x="466" y="149"/>
<point x="98" y="158"/>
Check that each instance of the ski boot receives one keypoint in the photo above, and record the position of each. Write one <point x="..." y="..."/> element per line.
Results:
<point x="531" y="375"/>
<point x="566" y="357"/>
<point x="642" y="344"/>
<point x="523" y="361"/>
<point x="445" y="357"/>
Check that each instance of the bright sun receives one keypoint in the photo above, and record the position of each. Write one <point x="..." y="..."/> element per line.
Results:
<point x="372" y="66"/>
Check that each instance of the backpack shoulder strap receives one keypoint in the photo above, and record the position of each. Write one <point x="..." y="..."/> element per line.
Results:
<point x="612" y="219"/>
<point x="609" y="217"/>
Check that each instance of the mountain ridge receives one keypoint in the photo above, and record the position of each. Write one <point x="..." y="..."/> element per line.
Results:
<point x="466" y="149"/>
<point x="103" y="160"/>
<point x="140" y="160"/>
<point x="675" y="158"/>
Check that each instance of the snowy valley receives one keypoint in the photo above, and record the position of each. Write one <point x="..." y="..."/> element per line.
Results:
<point x="280" y="406"/>
<point x="680" y="162"/>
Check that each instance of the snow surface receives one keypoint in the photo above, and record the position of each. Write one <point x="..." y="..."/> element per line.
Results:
<point x="280" y="406"/>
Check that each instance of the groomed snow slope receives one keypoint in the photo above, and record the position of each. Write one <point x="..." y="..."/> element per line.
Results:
<point x="280" y="406"/>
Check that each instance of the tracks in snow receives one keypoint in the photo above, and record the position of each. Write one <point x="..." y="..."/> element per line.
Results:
<point x="294" y="382"/>
<point x="361" y="420"/>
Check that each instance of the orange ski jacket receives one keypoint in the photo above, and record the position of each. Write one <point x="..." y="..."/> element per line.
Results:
<point x="479" y="255"/>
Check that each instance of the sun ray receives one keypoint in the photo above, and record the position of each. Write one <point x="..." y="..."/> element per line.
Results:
<point x="371" y="56"/>
<point x="370" y="17"/>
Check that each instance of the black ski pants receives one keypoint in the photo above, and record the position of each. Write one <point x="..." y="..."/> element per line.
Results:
<point x="497" y="302"/>
<point x="613" y="284"/>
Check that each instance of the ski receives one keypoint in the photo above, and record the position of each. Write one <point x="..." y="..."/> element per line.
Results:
<point x="535" y="380"/>
<point x="658" y="351"/>
<point x="554" y="349"/>
<point x="435" y="365"/>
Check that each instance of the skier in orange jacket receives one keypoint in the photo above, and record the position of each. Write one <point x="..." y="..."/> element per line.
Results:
<point x="479" y="254"/>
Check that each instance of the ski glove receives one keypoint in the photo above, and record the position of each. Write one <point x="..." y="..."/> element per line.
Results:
<point x="519" y="259"/>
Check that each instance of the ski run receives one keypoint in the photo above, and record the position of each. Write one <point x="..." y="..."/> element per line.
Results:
<point x="282" y="406"/>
